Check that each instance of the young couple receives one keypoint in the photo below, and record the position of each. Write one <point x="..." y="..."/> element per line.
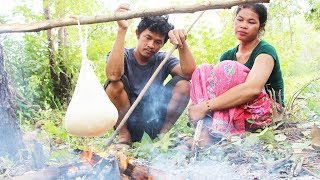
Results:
<point x="231" y="96"/>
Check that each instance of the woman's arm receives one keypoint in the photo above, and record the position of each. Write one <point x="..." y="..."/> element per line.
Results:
<point x="240" y="94"/>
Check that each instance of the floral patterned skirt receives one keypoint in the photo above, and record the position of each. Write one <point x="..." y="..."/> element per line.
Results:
<point x="210" y="81"/>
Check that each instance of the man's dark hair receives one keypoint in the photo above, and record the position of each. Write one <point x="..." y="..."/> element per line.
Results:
<point x="157" y="24"/>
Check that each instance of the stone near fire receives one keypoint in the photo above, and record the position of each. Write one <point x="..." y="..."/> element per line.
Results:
<point x="315" y="137"/>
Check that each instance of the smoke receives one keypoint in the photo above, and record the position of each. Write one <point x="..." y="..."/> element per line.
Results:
<point x="203" y="169"/>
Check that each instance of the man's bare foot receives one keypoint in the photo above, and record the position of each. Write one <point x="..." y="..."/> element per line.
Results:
<point x="123" y="139"/>
<point x="124" y="136"/>
<point x="124" y="142"/>
<point x="165" y="128"/>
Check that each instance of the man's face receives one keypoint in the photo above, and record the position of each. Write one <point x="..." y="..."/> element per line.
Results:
<point x="149" y="43"/>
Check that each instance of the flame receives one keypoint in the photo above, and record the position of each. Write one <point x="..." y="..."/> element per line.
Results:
<point x="123" y="161"/>
<point x="87" y="156"/>
<point x="73" y="169"/>
<point x="121" y="155"/>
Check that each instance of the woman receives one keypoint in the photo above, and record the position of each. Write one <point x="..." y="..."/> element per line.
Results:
<point x="232" y="96"/>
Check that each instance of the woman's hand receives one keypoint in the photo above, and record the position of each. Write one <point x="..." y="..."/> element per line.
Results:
<point x="123" y="24"/>
<point x="177" y="37"/>
<point x="197" y="111"/>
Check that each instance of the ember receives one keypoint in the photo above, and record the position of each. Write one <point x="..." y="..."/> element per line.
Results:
<point x="105" y="168"/>
<point x="117" y="165"/>
<point x="87" y="156"/>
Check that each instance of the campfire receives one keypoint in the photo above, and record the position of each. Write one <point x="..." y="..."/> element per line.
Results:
<point x="112" y="165"/>
<point x="234" y="158"/>
<point x="116" y="165"/>
<point x="222" y="161"/>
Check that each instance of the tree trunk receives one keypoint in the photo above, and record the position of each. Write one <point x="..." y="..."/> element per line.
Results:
<point x="10" y="133"/>
<point x="65" y="78"/>
<point x="60" y="79"/>
<point x="69" y="21"/>
<point x="52" y="56"/>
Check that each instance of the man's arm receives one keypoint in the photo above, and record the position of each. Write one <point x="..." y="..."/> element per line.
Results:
<point x="115" y="64"/>
<point x="187" y="62"/>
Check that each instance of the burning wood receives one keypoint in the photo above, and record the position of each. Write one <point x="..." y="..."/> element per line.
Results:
<point x="92" y="166"/>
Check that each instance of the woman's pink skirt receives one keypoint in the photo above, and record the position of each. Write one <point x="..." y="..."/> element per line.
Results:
<point x="210" y="81"/>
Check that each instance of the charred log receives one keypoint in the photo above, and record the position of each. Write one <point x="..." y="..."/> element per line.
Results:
<point x="100" y="168"/>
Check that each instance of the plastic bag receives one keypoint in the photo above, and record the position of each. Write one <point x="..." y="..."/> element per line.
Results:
<point x="90" y="112"/>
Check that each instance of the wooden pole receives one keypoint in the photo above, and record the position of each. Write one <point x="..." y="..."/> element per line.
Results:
<point x="115" y="16"/>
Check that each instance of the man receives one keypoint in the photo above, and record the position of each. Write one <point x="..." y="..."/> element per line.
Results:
<point x="128" y="71"/>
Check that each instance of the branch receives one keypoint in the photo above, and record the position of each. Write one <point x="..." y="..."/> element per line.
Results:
<point x="69" y="21"/>
<point x="299" y="91"/>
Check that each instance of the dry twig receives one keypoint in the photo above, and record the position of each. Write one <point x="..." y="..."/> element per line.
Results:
<point x="310" y="172"/>
<point x="298" y="168"/>
<point x="275" y="164"/>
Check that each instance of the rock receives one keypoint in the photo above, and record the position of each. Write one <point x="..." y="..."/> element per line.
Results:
<point x="315" y="137"/>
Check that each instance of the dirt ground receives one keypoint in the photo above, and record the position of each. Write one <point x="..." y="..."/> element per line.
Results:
<point x="286" y="153"/>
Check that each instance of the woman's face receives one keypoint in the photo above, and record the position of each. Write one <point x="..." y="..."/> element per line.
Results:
<point x="246" y="25"/>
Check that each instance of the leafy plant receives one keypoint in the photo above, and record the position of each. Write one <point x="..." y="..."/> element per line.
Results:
<point x="267" y="135"/>
<point x="147" y="147"/>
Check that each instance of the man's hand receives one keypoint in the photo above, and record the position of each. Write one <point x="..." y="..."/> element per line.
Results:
<point x="123" y="24"/>
<point x="177" y="37"/>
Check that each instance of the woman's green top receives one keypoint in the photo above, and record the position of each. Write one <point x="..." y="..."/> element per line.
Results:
<point x="275" y="80"/>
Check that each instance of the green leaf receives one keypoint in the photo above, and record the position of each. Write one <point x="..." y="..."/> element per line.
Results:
<point x="165" y="141"/>
<point x="267" y="135"/>
<point x="250" y="121"/>
<point x="146" y="139"/>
